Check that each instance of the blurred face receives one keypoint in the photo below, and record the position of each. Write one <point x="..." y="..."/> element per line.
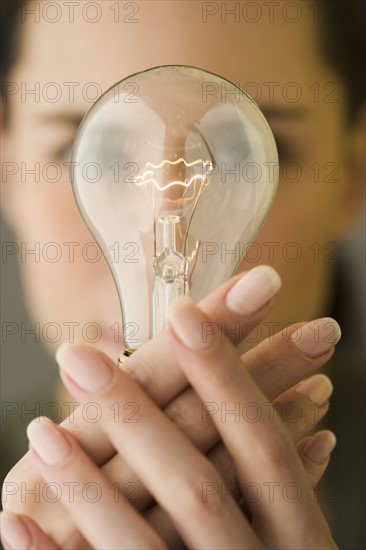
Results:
<point x="279" y="63"/>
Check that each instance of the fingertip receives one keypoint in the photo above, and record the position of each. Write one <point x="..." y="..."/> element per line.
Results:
<point x="68" y="350"/>
<point x="188" y="324"/>
<point x="319" y="448"/>
<point x="88" y="369"/>
<point x="257" y="287"/>
<point x="315" y="338"/>
<point x="14" y="532"/>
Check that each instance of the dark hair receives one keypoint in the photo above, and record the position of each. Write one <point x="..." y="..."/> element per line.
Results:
<point x="342" y="40"/>
<point x="343" y="43"/>
<point x="10" y="41"/>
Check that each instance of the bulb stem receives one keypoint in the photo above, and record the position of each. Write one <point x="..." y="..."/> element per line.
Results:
<point x="170" y="273"/>
<point x="169" y="234"/>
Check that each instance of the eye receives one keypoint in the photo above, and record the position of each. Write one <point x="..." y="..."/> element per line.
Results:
<point x="284" y="154"/>
<point x="64" y="153"/>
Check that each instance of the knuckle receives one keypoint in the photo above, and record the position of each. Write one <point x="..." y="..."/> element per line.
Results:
<point x="270" y="356"/>
<point x="185" y="410"/>
<point x="278" y="450"/>
<point x="191" y="499"/>
<point x="21" y="476"/>
<point x="223" y="461"/>
<point x="300" y="414"/>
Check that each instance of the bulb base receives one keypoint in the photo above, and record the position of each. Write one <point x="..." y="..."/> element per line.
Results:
<point x="127" y="352"/>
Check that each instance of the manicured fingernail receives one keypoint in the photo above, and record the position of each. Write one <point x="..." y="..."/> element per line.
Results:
<point x="189" y="325"/>
<point x="48" y="441"/>
<point x="253" y="290"/>
<point x="317" y="337"/>
<point x="14" y="532"/>
<point x="320" y="446"/>
<point x="84" y="366"/>
<point x="318" y="388"/>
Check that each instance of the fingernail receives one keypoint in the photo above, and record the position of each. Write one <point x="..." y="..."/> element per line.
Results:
<point x="317" y="337"/>
<point x="253" y="290"/>
<point x="14" y="532"/>
<point x="84" y="366"/>
<point x="190" y="326"/>
<point x="318" y="388"/>
<point x="48" y="441"/>
<point x="320" y="446"/>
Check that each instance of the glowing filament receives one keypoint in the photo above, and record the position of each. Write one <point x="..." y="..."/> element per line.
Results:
<point x="140" y="180"/>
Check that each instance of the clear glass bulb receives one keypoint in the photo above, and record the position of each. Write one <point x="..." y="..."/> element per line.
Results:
<point x="174" y="170"/>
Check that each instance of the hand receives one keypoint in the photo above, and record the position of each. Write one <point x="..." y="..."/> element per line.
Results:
<point x="276" y="365"/>
<point x="182" y="480"/>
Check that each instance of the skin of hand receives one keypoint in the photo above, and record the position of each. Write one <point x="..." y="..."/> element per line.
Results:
<point x="181" y="479"/>
<point x="276" y="365"/>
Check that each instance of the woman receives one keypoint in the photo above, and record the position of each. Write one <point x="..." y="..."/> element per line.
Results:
<point x="315" y="112"/>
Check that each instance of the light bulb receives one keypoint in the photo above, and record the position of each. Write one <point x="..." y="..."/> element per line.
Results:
<point x="174" y="170"/>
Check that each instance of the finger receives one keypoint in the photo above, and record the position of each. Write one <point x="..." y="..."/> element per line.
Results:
<point x="163" y="525"/>
<point x="26" y="475"/>
<point x="168" y="464"/>
<point x="220" y="457"/>
<point x="21" y="532"/>
<point x="105" y="520"/>
<point x="191" y="417"/>
<point x="157" y="371"/>
<point x="276" y="364"/>
<point x="315" y="452"/>
<point x="281" y="361"/>
<point x="301" y="408"/>
<point x="315" y="460"/>
<point x="260" y="446"/>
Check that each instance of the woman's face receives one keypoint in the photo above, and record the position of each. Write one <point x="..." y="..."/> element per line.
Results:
<point x="64" y="66"/>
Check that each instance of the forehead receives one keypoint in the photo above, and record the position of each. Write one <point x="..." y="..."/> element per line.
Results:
<point x="102" y="42"/>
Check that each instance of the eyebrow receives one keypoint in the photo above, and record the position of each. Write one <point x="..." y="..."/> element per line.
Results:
<point x="271" y="112"/>
<point x="284" y="113"/>
<point x="71" y="119"/>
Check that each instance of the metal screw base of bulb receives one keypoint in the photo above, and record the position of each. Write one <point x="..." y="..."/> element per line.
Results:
<point x="127" y="352"/>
